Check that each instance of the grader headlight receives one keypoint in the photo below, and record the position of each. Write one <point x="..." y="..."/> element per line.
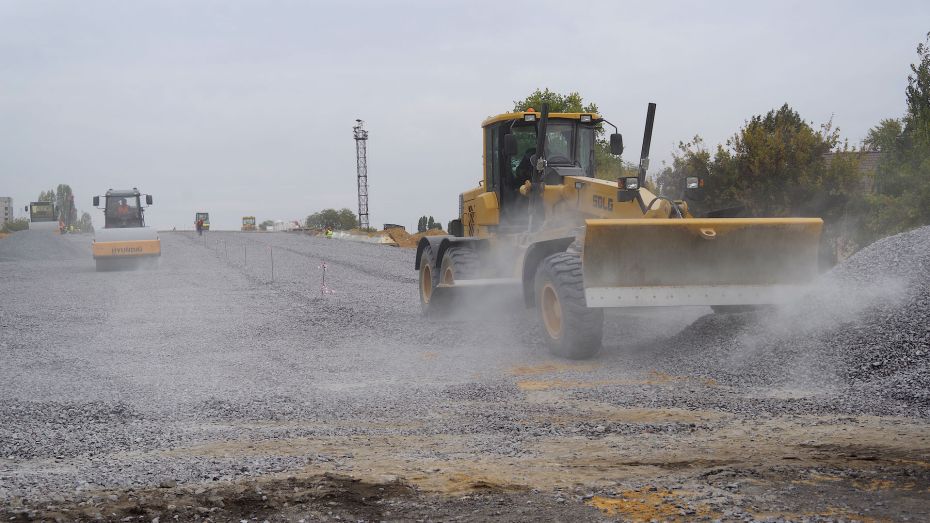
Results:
<point x="629" y="188"/>
<point x="694" y="188"/>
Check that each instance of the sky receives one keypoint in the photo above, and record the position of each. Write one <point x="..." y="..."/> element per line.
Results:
<point x="246" y="107"/>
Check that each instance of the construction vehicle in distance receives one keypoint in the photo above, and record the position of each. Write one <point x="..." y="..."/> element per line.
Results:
<point x="125" y="241"/>
<point x="573" y="245"/>
<point x="248" y="223"/>
<point x="43" y="216"/>
<point x="205" y="216"/>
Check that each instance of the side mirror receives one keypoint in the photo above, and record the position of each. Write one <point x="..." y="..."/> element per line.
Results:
<point x="694" y="188"/>
<point x="96" y="201"/>
<point x="510" y="144"/>
<point x="148" y="199"/>
<point x="629" y="188"/>
<point x="616" y="144"/>
<point x="26" y="209"/>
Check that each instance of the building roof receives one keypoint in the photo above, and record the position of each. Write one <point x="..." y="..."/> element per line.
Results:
<point x="868" y="160"/>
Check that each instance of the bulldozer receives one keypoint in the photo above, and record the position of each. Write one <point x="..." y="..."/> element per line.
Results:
<point x="248" y="223"/>
<point x="569" y="245"/>
<point x="125" y="242"/>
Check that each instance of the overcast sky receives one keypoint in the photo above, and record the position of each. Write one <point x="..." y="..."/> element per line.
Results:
<point x="246" y="108"/>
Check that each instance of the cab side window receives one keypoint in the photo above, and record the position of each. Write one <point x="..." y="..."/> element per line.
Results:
<point x="492" y="155"/>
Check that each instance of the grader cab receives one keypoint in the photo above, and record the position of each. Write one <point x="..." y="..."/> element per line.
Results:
<point x="574" y="245"/>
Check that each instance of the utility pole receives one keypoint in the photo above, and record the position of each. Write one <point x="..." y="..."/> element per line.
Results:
<point x="361" y="159"/>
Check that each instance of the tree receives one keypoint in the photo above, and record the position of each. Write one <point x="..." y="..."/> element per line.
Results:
<point x="46" y="196"/>
<point x="776" y="165"/>
<point x="63" y="199"/>
<point x="606" y="165"/>
<point x="86" y="224"/>
<point x="341" y="220"/>
<point x="779" y="163"/>
<point x="347" y="219"/>
<point x="431" y="223"/>
<point x="558" y="103"/>
<point x="265" y="224"/>
<point x="691" y="159"/>
<point x="884" y="136"/>
<point x="64" y="202"/>
<point x="16" y="224"/>
<point x="421" y="224"/>
<point x="902" y="176"/>
<point x="917" y="94"/>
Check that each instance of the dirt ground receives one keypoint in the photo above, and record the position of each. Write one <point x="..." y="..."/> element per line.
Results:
<point x="703" y="465"/>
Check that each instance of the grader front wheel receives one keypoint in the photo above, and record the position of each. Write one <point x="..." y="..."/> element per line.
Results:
<point x="571" y="329"/>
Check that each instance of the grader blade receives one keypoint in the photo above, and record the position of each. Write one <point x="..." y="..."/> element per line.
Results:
<point x="706" y="261"/>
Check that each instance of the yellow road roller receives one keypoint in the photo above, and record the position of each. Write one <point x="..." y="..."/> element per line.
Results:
<point x="125" y="242"/>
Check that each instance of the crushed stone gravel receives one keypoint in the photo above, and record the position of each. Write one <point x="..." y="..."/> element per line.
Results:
<point x="231" y="339"/>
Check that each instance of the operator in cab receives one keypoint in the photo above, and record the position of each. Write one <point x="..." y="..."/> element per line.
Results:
<point x="122" y="210"/>
<point x="524" y="170"/>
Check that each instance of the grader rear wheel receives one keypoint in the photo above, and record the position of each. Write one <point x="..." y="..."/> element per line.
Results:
<point x="428" y="280"/>
<point x="458" y="263"/>
<point x="572" y="330"/>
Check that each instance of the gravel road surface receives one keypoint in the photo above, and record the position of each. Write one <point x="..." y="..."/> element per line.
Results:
<point x="226" y="385"/>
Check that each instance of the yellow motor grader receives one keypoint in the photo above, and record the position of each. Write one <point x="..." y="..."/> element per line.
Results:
<point x="573" y="245"/>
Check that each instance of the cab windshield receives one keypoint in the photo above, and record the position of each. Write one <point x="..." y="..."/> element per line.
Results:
<point x="123" y="211"/>
<point x="567" y="143"/>
<point x="559" y="142"/>
<point x="42" y="212"/>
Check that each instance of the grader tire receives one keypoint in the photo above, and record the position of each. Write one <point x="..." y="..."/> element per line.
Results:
<point x="427" y="281"/>
<point x="458" y="263"/>
<point x="571" y="329"/>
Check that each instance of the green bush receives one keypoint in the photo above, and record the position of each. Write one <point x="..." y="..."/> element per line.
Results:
<point x="19" y="224"/>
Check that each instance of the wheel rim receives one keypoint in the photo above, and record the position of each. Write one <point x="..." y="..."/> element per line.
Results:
<point x="551" y="311"/>
<point x="448" y="277"/>
<point x="426" y="283"/>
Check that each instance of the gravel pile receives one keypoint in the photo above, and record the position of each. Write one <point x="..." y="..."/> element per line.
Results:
<point x="863" y="329"/>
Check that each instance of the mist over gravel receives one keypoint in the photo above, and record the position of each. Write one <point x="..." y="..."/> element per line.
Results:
<point x="100" y="373"/>
<point x="859" y="336"/>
